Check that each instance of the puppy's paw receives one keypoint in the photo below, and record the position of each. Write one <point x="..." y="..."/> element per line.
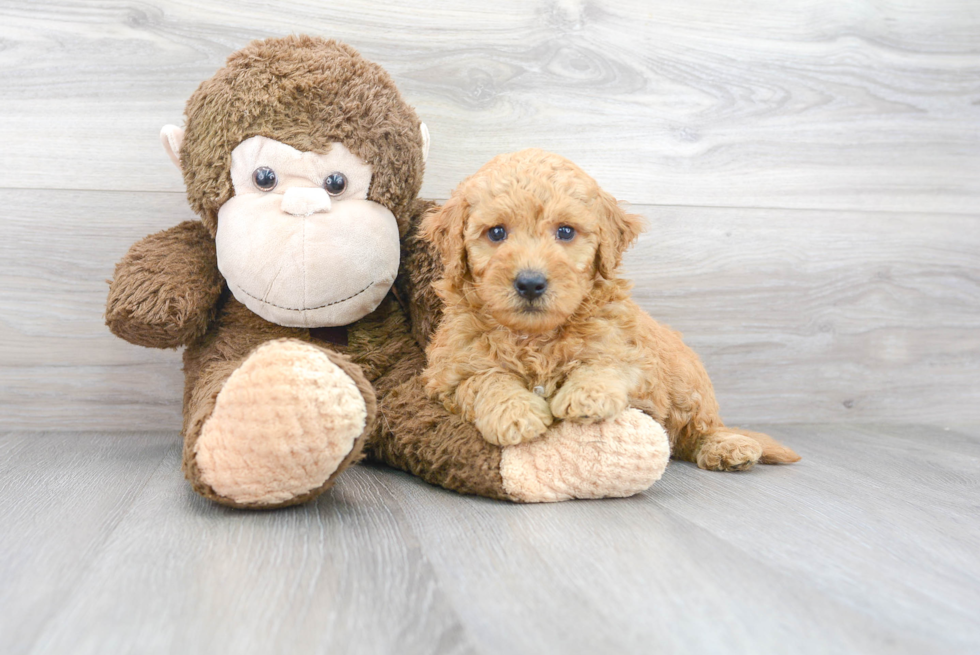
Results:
<point x="589" y="400"/>
<point x="514" y="420"/>
<point x="728" y="452"/>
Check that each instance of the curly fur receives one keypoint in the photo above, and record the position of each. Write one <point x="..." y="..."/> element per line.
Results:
<point x="166" y="288"/>
<point x="305" y="92"/>
<point x="167" y="291"/>
<point x="584" y="345"/>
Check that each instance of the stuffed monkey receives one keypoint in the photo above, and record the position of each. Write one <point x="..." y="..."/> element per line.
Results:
<point x="303" y="300"/>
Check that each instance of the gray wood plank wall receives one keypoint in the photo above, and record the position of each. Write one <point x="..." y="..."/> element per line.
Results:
<point x="810" y="172"/>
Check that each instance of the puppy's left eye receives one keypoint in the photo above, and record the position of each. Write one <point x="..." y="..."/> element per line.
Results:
<point x="565" y="233"/>
<point x="497" y="233"/>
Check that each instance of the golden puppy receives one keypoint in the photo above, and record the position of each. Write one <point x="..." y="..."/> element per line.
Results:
<point x="538" y="326"/>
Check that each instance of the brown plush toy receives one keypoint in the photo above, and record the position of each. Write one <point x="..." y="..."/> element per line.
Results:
<point x="303" y="298"/>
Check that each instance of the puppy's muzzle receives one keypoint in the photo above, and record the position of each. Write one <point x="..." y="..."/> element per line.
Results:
<point x="530" y="284"/>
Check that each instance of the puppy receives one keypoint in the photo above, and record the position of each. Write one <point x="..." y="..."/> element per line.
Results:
<point x="538" y="326"/>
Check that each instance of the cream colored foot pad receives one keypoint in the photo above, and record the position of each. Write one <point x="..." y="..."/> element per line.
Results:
<point x="616" y="458"/>
<point x="282" y="424"/>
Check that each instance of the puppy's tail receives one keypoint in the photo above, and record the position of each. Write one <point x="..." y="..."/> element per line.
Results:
<point x="773" y="452"/>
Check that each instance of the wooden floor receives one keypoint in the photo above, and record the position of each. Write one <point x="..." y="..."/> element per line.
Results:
<point x="869" y="545"/>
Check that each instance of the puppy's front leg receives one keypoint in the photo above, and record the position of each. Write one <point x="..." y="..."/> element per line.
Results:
<point x="502" y="409"/>
<point x="594" y="393"/>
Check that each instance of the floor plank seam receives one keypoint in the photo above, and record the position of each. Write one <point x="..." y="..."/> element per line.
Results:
<point x="65" y="598"/>
<point x="384" y="481"/>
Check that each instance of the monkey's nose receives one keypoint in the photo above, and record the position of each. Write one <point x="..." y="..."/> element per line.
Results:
<point x="530" y="284"/>
<point x="303" y="201"/>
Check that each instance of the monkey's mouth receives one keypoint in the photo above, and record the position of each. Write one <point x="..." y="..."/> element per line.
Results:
<point x="307" y="309"/>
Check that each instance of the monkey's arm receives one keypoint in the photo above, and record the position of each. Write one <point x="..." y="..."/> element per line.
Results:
<point x="421" y="265"/>
<point x="165" y="289"/>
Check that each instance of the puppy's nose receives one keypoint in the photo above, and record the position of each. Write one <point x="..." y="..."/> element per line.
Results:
<point x="530" y="284"/>
<point x="303" y="201"/>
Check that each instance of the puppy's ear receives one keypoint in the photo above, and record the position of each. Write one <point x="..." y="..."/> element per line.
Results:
<point x="617" y="232"/>
<point x="443" y="227"/>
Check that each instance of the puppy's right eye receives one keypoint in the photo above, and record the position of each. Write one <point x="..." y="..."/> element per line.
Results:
<point x="265" y="178"/>
<point x="497" y="233"/>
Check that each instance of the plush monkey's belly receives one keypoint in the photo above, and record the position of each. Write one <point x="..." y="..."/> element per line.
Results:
<point x="375" y="343"/>
<point x="378" y="341"/>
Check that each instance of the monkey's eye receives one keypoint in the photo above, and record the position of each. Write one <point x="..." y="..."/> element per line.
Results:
<point x="265" y="178"/>
<point x="565" y="233"/>
<point x="335" y="183"/>
<point x="497" y="233"/>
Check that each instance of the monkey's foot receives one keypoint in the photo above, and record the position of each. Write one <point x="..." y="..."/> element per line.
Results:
<point x="285" y="423"/>
<point x="615" y="458"/>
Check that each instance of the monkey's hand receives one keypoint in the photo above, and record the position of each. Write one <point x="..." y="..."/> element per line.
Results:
<point x="165" y="289"/>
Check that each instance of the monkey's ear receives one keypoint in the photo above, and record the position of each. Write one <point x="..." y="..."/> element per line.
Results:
<point x="443" y="227"/>
<point x="617" y="232"/>
<point x="172" y="137"/>
<point x="425" y="143"/>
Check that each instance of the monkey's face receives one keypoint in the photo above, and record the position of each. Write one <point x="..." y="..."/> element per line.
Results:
<point x="299" y="243"/>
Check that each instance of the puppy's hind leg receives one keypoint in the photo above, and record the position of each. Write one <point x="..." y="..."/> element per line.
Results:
<point x="730" y="449"/>
<point x="722" y="450"/>
<point x="699" y="435"/>
<point x="773" y="452"/>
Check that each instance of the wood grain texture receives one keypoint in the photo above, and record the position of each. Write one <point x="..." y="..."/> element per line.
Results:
<point x="817" y="316"/>
<point x="868" y="545"/>
<point x="59" y="505"/>
<point x="811" y="175"/>
<point x="836" y="315"/>
<point x="799" y="315"/>
<point x="60" y="366"/>
<point x="864" y="547"/>
<point x="179" y="574"/>
<point x="804" y="104"/>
